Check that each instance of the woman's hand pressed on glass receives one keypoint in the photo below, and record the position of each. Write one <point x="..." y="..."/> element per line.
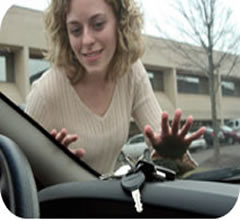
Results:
<point x="172" y="141"/>
<point x="66" y="139"/>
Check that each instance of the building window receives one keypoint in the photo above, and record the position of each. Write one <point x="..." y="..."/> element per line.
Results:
<point x="6" y="66"/>
<point x="192" y="84"/>
<point x="156" y="79"/>
<point x="230" y="88"/>
<point x="3" y="69"/>
<point x="187" y="84"/>
<point x="37" y="66"/>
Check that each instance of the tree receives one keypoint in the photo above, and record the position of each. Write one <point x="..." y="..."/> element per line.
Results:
<point x="207" y="25"/>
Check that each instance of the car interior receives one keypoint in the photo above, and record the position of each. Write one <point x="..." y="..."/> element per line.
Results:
<point x="39" y="178"/>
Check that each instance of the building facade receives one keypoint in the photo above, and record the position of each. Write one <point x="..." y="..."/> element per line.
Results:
<point x="176" y="85"/>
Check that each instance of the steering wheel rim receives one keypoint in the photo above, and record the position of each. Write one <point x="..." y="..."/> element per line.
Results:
<point x="17" y="184"/>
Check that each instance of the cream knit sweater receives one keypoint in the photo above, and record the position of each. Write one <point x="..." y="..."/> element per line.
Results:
<point x="54" y="103"/>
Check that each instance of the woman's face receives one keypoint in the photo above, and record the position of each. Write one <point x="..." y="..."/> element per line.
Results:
<point x="91" y="27"/>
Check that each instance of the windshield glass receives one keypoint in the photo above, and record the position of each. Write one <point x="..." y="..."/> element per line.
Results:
<point x="214" y="106"/>
<point x="184" y="78"/>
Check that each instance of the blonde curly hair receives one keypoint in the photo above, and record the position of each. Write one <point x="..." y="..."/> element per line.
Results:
<point x="130" y="46"/>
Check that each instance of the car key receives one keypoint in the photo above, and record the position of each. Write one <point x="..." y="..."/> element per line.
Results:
<point x="133" y="183"/>
<point x="150" y="171"/>
<point x="154" y="172"/>
<point x="169" y="174"/>
<point x="147" y="168"/>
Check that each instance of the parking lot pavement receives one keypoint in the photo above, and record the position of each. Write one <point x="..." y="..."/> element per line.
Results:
<point x="229" y="156"/>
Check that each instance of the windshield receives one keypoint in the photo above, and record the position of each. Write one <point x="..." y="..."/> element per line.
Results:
<point x="179" y="78"/>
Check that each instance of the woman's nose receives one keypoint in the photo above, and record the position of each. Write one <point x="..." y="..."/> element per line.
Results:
<point x="88" y="37"/>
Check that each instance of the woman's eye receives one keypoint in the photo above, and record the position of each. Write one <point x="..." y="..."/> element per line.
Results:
<point x="75" y="31"/>
<point x="98" y="25"/>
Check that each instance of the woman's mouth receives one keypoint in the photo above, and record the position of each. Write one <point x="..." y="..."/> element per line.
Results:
<point x="92" y="56"/>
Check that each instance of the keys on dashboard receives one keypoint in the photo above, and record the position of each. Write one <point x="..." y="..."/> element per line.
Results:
<point x="143" y="171"/>
<point x="133" y="175"/>
<point x="133" y="183"/>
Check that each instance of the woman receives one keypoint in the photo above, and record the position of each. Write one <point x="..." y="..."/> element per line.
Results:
<point x="97" y="83"/>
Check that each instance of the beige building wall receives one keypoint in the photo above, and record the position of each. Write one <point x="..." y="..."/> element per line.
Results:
<point x="158" y="55"/>
<point x="23" y="33"/>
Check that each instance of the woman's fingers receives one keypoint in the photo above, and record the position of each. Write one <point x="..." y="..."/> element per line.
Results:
<point x="176" y="121"/>
<point x="165" y="131"/>
<point x="78" y="152"/>
<point x="186" y="127"/>
<point x="61" y="135"/>
<point x="149" y="133"/>
<point x="69" y="139"/>
<point x="195" y="135"/>
<point x="66" y="139"/>
<point x="53" y="133"/>
<point x="172" y="141"/>
<point x="165" y="124"/>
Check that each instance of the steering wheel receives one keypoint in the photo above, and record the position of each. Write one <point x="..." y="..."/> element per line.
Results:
<point x="17" y="184"/>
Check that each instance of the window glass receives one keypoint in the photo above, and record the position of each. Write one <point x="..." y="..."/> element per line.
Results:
<point x="3" y="70"/>
<point x="188" y="84"/>
<point x="156" y="79"/>
<point x="6" y="66"/>
<point x="37" y="66"/>
<point x="228" y="88"/>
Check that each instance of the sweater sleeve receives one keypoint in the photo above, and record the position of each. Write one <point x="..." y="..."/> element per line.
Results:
<point x="36" y="107"/>
<point x="146" y="109"/>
